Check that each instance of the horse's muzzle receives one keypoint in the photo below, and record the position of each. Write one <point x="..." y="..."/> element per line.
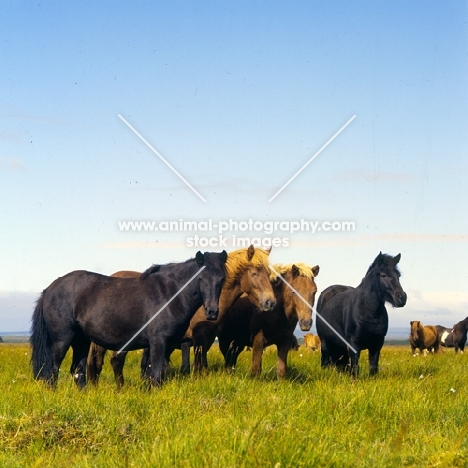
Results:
<point x="400" y="299"/>
<point x="211" y="314"/>
<point x="305" y="324"/>
<point x="267" y="305"/>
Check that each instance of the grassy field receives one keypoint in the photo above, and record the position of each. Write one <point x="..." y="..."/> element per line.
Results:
<point x="415" y="413"/>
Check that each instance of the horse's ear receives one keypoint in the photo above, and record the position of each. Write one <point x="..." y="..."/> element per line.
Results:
<point x="223" y="256"/>
<point x="200" y="258"/>
<point x="315" y="270"/>
<point x="397" y="258"/>
<point x="380" y="258"/>
<point x="295" y="271"/>
<point x="250" y="252"/>
<point x="268" y="251"/>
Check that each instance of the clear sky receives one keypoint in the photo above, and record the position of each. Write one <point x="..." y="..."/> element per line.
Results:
<point x="237" y="97"/>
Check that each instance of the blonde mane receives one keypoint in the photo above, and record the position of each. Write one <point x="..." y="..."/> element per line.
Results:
<point x="282" y="269"/>
<point x="238" y="260"/>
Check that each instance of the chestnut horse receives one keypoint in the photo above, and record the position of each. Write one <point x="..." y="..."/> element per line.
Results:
<point x="247" y="271"/>
<point x="311" y="342"/>
<point x="244" y="325"/>
<point x="454" y="337"/>
<point x="426" y="338"/>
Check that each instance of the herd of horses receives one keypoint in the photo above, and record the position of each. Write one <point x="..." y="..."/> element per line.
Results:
<point x="428" y="338"/>
<point x="237" y="297"/>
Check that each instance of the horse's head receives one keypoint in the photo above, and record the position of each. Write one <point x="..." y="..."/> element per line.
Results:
<point x="415" y="326"/>
<point x="250" y="268"/>
<point x="299" y="289"/>
<point x="388" y="278"/>
<point x="211" y="280"/>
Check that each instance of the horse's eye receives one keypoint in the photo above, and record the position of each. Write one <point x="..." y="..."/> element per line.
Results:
<point x="254" y="273"/>
<point x="383" y="275"/>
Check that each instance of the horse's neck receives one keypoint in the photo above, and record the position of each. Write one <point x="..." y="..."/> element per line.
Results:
<point x="190" y="295"/>
<point x="228" y="296"/>
<point x="373" y="297"/>
<point x="281" y="307"/>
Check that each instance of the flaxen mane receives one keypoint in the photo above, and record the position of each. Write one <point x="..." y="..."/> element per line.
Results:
<point x="238" y="260"/>
<point x="281" y="269"/>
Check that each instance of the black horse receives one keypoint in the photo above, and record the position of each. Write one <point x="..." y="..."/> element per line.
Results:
<point x="454" y="337"/>
<point x="352" y="319"/>
<point x="153" y="310"/>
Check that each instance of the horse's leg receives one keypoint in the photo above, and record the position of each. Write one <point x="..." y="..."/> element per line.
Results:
<point x="59" y="350"/>
<point x="185" y="349"/>
<point x="355" y="362"/>
<point x="374" y="356"/>
<point x="282" y="358"/>
<point x="325" y="360"/>
<point x="80" y="345"/>
<point x="95" y="362"/>
<point x="232" y="353"/>
<point x="117" y="361"/>
<point x="157" y="352"/>
<point x="257" y="353"/>
<point x="237" y="349"/>
<point x="145" y="365"/>
<point x="203" y="336"/>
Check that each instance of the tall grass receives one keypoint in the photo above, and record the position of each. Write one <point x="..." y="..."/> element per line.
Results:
<point x="414" y="413"/>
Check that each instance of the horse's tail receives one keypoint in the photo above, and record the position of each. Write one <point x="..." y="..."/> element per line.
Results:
<point x="41" y="344"/>
<point x="94" y="362"/>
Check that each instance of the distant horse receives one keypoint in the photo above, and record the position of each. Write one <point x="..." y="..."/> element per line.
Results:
<point x="311" y="342"/>
<point x="245" y="325"/>
<point x="454" y="337"/>
<point x="426" y="338"/>
<point x="151" y="311"/>
<point x="350" y="320"/>
<point x="253" y="282"/>
<point x="247" y="271"/>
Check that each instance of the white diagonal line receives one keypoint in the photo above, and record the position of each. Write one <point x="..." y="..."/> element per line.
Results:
<point x="161" y="309"/>
<point x="160" y="157"/>
<point x="312" y="158"/>
<point x="310" y="307"/>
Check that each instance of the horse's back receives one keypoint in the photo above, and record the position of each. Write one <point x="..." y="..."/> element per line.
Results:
<point x="329" y="293"/>
<point x="330" y="310"/>
<point x="64" y="290"/>
<point x="431" y="332"/>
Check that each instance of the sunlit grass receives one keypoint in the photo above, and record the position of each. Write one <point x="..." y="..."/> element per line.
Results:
<point x="413" y="414"/>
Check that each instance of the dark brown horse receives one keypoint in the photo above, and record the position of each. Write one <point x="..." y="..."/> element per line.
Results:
<point x="96" y="353"/>
<point x="423" y="337"/>
<point x="454" y="337"/>
<point x="254" y="283"/>
<point x="151" y="311"/>
<point x="247" y="271"/>
<point x="245" y="325"/>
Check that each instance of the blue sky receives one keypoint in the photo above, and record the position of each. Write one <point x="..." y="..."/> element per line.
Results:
<point x="237" y="96"/>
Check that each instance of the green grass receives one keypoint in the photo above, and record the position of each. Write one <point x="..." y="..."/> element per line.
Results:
<point x="414" y="413"/>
